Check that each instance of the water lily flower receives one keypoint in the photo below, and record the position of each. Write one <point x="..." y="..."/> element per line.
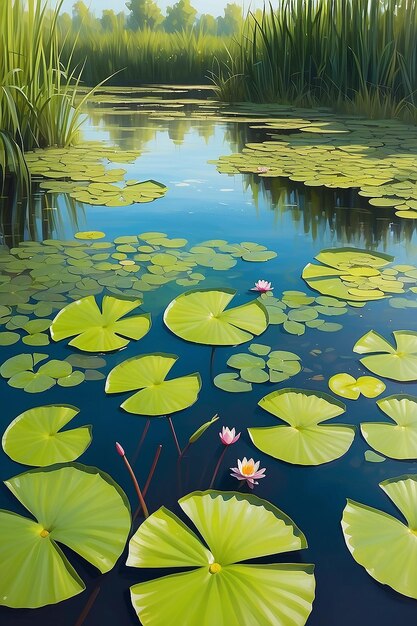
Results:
<point x="228" y="436"/>
<point x="263" y="286"/>
<point x="249" y="471"/>
<point x="262" y="169"/>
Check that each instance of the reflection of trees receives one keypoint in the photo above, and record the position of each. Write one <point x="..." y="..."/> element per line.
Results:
<point x="336" y="214"/>
<point x="43" y="216"/>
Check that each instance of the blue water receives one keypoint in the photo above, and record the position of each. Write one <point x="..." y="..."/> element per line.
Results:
<point x="296" y="223"/>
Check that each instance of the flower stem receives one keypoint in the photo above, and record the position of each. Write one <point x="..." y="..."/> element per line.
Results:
<point x="136" y="485"/>
<point x="174" y="434"/>
<point x="150" y="476"/>
<point x="213" y="350"/>
<point x="216" y="469"/>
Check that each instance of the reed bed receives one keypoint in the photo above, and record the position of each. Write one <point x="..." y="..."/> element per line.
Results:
<point x="146" y="56"/>
<point x="360" y="55"/>
<point x="37" y="88"/>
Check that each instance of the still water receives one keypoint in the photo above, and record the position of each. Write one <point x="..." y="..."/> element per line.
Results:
<point x="294" y="221"/>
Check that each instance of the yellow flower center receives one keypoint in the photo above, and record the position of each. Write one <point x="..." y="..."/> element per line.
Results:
<point x="248" y="469"/>
<point x="215" y="568"/>
<point x="44" y="533"/>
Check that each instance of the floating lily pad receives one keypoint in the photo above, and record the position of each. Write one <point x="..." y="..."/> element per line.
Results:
<point x="98" y="331"/>
<point x="304" y="440"/>
<point x="373" y="457"/>
<point x="157" y="396"/>
<point x="201" y="316"/>
<point x="349" y="387"/>
<point x="397" y="363"/>
<point x="385" y="546"/>
<point x="78" y="506"/>
<point x="35" y="436"/>
<point x="396" y="440"/>
<point x="231" y="382"/>
<point x="232" y="593"/>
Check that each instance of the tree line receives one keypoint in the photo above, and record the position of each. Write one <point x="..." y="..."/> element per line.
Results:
<point x="146" y="14"/>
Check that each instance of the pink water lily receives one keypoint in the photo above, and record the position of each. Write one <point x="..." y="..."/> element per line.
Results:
<point x="249" y="471"/>
<point x="262" y="169"/>
<point x="262" y="286"/>
<point x="228" y="436"/>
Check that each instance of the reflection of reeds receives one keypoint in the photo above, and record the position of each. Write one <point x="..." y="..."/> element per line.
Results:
<point x="355" y="53"/>
<point x="330" y="213"/>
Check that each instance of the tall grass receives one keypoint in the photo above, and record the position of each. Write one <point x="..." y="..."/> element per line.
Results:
<point x="37" y="90"/>
<point x="145" y="56"/>
<point x="337" y="52"/>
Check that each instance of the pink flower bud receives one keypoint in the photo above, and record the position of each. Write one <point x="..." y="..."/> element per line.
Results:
<point x="119" y="449"/>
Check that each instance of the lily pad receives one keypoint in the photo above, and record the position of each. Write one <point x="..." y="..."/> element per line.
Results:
<point x="349" y="387"/>
<point x="231" y="382"/>
<point x="35" y="436"/>
<point x="78" y="506"/>
<point x="304" y="440"/>
<point x="384" y="545"/>
<point x="157" y="396"/>
<point x="396" y="440"/>
<point x="231" y="593"/>
<point x="200" y="316"/>
<point x="97" y="331"/>
<point x="397" y="363"/>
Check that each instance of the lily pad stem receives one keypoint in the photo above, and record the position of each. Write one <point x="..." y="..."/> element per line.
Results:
<point x="150" y="476"/>
<point x="174" y="434"/>
<point x="141" y="441"/>
<point x="136" y="485"/>
<point x="90" y="603"/>
<point x="216" y="469"/>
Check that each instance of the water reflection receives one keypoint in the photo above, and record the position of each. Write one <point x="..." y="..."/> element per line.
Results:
<point x="326" y="215"/>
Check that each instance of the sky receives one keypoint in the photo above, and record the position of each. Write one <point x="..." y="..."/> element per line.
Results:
<point x="215" y="7"/>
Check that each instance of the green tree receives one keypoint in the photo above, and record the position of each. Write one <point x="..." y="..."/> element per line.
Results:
<point x="232" y="21"/>
<point x="144" y="14"/>
<point x="179" y="17"/>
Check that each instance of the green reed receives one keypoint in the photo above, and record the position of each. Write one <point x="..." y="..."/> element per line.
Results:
<point x="146" y="56"/>
<point x="356" y="54"/>
<point x="37" y="88"/>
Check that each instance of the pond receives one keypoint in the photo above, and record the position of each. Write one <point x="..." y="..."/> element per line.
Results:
<point x="178" y="135"/>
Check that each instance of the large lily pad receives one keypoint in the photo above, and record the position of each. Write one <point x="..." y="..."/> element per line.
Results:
<point x="385" y="546"/>
<point x="78" y="506"/>
<point x="201" y="316"/>
<point x="304" y="440"/>
<point x="157" y="396"/>
<point x="397" y="363"/>
<point x="397" y="440"/>
<point x="219" y="590"/>
<point x="35" y="436"/>
<point x="97" y="331"/>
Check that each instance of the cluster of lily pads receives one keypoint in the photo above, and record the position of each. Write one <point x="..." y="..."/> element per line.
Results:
<point x="81" y="172"/>
<point x="379" y="157"/>
<point x="231" y="592"/>
<point x="253" y="368"/>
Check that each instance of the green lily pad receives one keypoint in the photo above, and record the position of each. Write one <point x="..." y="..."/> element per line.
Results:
<point x="35" y="437"/>
<point x="78" y="506"/>
<point x="97" y="331"/>
<point x="396" y="440"/>
<point x="157" y="396"/>
<point x="373" y="457"/>
<point x="199" y="316"/>
<point x="231" y="593"/>
<point x="381" y="543"/>
<point x="303" y="441"/>
<point x="397" y="363"/>
<point x="349" y="387"/>
<point x="254" y="375"/>
<point x="231" y="382"/>
<point x="72" y="380"/>
<point x="259" y="349"/>
<point x="8" y="338"/>
<point x="243" y="360"/>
